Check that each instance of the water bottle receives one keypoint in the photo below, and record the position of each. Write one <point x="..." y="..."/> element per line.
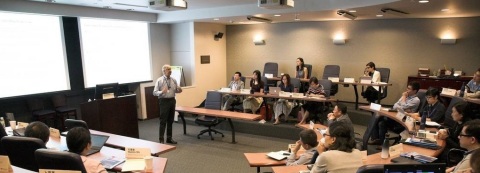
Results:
<point x="385" y="147"/>
<point x="2" y="121"/>
<point x="462" y="90"/>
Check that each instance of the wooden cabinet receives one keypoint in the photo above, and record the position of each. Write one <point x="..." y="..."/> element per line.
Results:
<point x="153" y="110"/>
<point x="426" y="82"/>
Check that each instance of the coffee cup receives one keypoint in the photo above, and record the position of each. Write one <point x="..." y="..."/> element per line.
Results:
<point x="149" y="164"/>
<point x="13" y="125"/>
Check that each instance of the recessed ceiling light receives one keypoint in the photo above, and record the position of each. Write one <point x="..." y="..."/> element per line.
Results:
<point x="423" y="1"/>
<point x="216" y="19"/>
<point x="277" y="15"/>
<point x="445" y="9"/>
<point x="352" y="11"/>
<point x="379" y="15"/>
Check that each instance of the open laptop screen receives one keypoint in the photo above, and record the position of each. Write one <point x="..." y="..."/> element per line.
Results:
<point x="415" y="168"/>
<point x="98" y="141"/>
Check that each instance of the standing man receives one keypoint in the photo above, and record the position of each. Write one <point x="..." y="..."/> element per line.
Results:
<point x="165" y="89"/>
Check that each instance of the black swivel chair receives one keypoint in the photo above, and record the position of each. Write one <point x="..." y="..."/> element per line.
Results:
<point x="448" y="121"/>
<point x="332" y="71"/>
<point x="421" y="94"/>
<point x="21" y="151"/>
<point x="63" y="111"/>
<point x="213" y="101"/>
<point x="3" y="133"/>
<point x="39" y="112"/>
<point x="454" y="156"/>
<point x="384" y="77"/>
<point x="271" y="68"/>
<point x="370" y="169"/>
<point x="59" y="160"/>
<point x="320" y="112"/>
<point x="71" y="123"/>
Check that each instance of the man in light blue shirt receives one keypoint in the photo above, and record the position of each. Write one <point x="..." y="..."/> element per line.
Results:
<point x="474" y="85"/>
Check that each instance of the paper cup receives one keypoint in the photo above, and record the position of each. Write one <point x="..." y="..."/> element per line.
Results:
<point x="13" y="125"/>
<point x="149" y="164"/>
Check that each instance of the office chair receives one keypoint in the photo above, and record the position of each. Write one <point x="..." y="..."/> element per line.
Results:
<point x="20" y="151"/>
<point x="59" y="160"/>
<point x="454" y="156"/>
<point x="332" y="71"/>
<point x="370" y="169"/>
<point x="39" y="112"/>
<point x="71" y="123"/>
<point x="271" y="68"/>
<point x="421" y="94"/>
<point x="63" y="111"/>
<point x="213" y="101"/>
<point x="320" y="112"/>
<point x="384" y="77"/>
<point x="3" y="133"/>
<point x="448" y="121"/>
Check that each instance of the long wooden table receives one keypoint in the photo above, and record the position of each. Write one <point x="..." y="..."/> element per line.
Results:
<point x="121" y="142"/>
<point x="471" y="100"/>
<point x="216" y="113"/>
<point x="159" y="164"/>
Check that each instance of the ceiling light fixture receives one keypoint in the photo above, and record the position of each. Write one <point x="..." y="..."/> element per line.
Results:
<point x="379" y="15"/>
<point x="346" y="14"/>
<point x="277" y="15"/>
<point x="445" y="10"/>
<point x="393" y="11"/>
<point x="258" y="19"/>
<point x="423" y="1"/>
<point x="352" y="11"/>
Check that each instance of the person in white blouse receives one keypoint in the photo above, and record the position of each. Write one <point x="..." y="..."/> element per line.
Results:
<point x="371" y="93"/>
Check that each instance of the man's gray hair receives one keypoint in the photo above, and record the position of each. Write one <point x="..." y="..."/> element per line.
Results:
<point x="165" y="67"/>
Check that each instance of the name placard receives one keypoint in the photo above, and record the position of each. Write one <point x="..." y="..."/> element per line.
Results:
<point x="396" y="150"/>
<point x="57" y="171"/>
<point x="297" y="95"/>
<point x="245" y="91"/>
<point x="334" y="79"/>
<point x="349" y="80"/>
<point x="448" y="91"/>
<point x="226" y="90"/>
<point x="136" y="153"/>
<point x="375" y="106"/>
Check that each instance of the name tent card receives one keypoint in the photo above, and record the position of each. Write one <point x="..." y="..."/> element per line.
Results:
<point x="22" y="125"/>
<point x="375" y="106"/>
<point x="136" y="153"/>
<point x="245" y="91"/>
<point x="136" y="159"/>
<point x="268" y="75"/>
<point x="5" y="164"/>
<point x="54" y="133"/>
<point x="226" y="90"/>
<point x="450" y="92"/>
<point x="334" y="79"/>
<point x="56" y="171"/>
<point x="312" y="124"/>
<point x="396" y="150"/>
<point x="349" y="80"/>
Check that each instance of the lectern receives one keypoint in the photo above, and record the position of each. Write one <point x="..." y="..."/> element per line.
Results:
<point x="116" y="115"/>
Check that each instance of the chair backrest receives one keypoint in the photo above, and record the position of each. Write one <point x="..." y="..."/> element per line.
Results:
<point x="309" y="68"/>
<point x="60" y="160"/>
<point x="59" y="100"/>
<point x="270" y="68"/>
<point x="213" y="100"/>
<point x="331" y="71"/>
<point x="71" y="123"/>
<point x="384" y="77"/>
<point x="370" y="169"/>
<point x="21" y="151"/>
<point x="295" y="82"/>
<point x="3" y="133"/>
<point x="448" y="121"/>
<point x="421" y="95"/>
<point x="265" y="82"/>
<point x="327" y="86"/>
<point x="35" y="104"/>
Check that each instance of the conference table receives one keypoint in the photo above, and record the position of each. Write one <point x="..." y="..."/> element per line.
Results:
<point x="122" y="142"/>
<point x="470" y="100"/>
<point x="346" y="84"/>
<point x="159" y="164"/>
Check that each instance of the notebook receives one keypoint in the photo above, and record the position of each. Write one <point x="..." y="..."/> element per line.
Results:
<point x="274" y="90"/>
<point x="415" y="168"/>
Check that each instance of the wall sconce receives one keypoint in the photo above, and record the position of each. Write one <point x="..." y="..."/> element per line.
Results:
<point x="448" y="41"/>
<point x="259" y="42"/>
<point x="339" y="41"/>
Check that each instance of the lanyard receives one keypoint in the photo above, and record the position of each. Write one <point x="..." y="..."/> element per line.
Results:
<point x="167" y="81"/>
<point x="431" y="113"/>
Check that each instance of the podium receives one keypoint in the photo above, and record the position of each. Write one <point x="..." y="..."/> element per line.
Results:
<point x="116" y="115"/>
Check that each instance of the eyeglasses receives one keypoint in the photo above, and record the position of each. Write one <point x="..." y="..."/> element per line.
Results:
<point x="463" y="135"/>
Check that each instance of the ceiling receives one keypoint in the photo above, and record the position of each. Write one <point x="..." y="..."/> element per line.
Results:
<point x="232" y="12"/>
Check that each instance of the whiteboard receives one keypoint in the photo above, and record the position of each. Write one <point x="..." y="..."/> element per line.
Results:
<point x="177" y="72"/>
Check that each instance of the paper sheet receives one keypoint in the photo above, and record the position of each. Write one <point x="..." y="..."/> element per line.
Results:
<point x="134" y="165"/>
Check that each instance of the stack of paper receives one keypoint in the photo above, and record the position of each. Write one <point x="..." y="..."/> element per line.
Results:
<point x="279" y="155"/>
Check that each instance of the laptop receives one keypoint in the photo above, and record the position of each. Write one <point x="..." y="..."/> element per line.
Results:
<point x="415" y="168"/>
<point x="19" y="132"/>
<point x="98" y="141"/>
<point x="274" y="90"/>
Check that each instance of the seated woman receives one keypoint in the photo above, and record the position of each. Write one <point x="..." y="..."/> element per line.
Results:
<point x="434" y="110"/>
<point x="337" y="153"/>
<point x="79" y="142"/>
<point x="460" y="114"/>
<point x="283" y="106"/>
<point x="256" y="85"/>
<point x="308" y="140"/>
<point x="371" y="93"/>
<point x="311" y="107"/>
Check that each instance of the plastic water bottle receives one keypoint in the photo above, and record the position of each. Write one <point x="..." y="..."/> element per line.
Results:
<point x="385" y="147"/>
<point x="2" y="121"/>
<point x="462" y="90"/>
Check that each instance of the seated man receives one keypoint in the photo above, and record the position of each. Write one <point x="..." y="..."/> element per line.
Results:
<point x="409" y="102"/>
<point x="79" y="142"/>
<point x="236" y="84"/>
<point x="475" y="161"/>
<point x="339" y="113"/>
<point x="308" y="140"/>
<point x="473" y="87"/>
<point x="434" y="110"/>
<point x="470" y="140"/>
<point x="38" y="130"/>
<point x="311" y="107"/>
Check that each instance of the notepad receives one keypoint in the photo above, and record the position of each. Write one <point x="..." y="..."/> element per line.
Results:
<point x="279" y="155"/>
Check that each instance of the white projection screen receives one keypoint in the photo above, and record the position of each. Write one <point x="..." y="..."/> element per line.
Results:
<point x="114" y="51"/>
<point x="32" y="54"/>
